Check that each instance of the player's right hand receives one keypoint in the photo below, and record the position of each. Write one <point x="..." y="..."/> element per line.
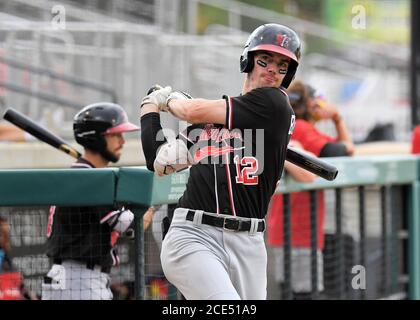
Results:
<point x="178" y="95"/>
<point x="158" y="98"/>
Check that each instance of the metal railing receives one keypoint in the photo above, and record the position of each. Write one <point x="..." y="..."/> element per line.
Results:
<point x="56" y="76"/>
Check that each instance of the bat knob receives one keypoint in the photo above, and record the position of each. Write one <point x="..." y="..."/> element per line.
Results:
<point x="154" y="88"/>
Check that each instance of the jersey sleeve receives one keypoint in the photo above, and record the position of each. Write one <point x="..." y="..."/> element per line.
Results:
<point x="254" y="110"/>
<point x="150" y="129"/>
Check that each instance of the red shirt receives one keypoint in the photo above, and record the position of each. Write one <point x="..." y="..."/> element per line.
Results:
<point x="310" y="137"/>
<point x="300" y="220"/>
<point x="415" y="146"/>
<point x="312" y="140"/>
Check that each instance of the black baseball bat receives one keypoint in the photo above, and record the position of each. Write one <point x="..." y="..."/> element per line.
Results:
<point x="28" y="125"/>
<point x="315" y="165"/>
<point x="303" y="160"/>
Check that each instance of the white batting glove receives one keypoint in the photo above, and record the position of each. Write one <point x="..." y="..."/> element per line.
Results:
<point x="158" y="98"/>
<point x="177" y="95"/>
<point x="171" y="157"/>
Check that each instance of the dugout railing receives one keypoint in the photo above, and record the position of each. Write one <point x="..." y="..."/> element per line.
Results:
<point x="388" y="247"/>
<point x="371" y="230"/>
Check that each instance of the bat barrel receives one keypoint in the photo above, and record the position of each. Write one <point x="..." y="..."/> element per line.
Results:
<point x="312" y="164"/>
<point x="28" y="125"/>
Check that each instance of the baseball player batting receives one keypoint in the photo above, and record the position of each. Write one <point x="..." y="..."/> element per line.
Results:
<point x="81" y="240"/>
<point x="215" y="248"/>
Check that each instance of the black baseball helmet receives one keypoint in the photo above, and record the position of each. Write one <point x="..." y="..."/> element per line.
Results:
<point x="275" y="38"/>
<point x="94" y="121"/>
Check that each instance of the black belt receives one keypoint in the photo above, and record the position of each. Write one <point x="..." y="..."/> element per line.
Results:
<point x="89" y="265"/>
<point x="226" y="223"/>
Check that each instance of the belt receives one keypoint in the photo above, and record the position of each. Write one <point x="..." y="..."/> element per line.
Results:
<point x="89" y="265"/>
<point x="226" y="223"/>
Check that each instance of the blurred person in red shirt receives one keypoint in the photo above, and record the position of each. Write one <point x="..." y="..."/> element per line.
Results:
<point x="309" y="107"/>
<point x="11" y="133"/>
<point x="5" y="262"/>
<point x="415" y="145"/>
<point x="11" y="281"/>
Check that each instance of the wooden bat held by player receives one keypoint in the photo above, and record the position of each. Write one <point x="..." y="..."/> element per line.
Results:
<point x="301" y="159"/>
<point x="26" y="124"/>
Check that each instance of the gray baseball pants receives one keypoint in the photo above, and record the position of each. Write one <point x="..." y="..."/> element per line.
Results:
<point x="209" y="263"/>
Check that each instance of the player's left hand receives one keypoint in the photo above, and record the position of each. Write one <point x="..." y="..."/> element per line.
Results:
<point x="172" y="157"/>
<point x="323" y="110"/>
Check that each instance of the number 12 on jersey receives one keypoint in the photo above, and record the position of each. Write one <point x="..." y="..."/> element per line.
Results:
<point x="246" y="174"/>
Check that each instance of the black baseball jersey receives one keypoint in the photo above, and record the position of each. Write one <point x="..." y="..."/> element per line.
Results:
<point x="240" y="163"/>
<point x="82" y="233"/>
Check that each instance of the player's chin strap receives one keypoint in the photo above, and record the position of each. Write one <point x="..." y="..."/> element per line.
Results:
<point x="171" y="157"/>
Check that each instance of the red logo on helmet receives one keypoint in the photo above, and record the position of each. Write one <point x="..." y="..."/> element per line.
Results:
<point x="282" y="40"/>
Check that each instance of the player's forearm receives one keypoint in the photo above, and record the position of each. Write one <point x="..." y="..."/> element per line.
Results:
<point x="151" y="136"/>
<point x="148" y="217"/>
<point x="343" y="134"/>
<point x="199" y="110"/>
<point x="11" y="133"/>
<point x="180" y="108"/>
<point x="299" y="174"/>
